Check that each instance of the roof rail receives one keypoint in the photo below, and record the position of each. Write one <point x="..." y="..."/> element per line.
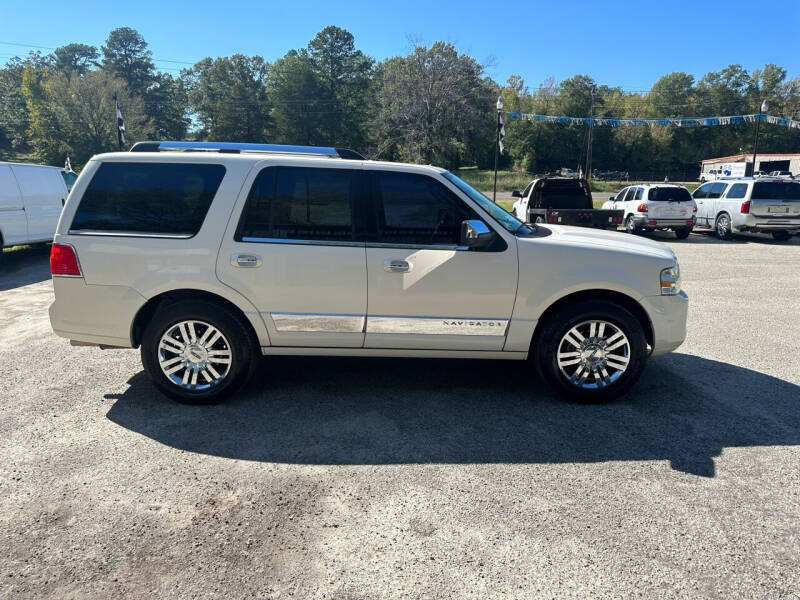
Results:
<point x="236" y="148"/>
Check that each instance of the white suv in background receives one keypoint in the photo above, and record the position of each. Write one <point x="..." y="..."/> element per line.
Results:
<point x="210" y="257"/>
<point x="651" y="206"/>
<point x="749" y="205"/>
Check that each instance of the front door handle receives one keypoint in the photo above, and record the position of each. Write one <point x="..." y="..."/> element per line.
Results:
<point x="395" y="265"/>
<point x="245" y="260"/>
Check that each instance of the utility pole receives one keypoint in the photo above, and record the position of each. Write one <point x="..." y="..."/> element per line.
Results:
<point x="589" y="138"/>
<point x="755" y="143"/>
<point x="497" y="146"/>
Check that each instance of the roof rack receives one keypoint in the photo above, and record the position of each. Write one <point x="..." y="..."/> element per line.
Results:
<point x="237" y="148"/>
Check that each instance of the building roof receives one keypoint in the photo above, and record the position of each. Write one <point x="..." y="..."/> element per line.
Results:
<point x="748" y="155"/>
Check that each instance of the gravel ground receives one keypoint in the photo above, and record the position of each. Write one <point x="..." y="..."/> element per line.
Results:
<point x="356" y="479"/>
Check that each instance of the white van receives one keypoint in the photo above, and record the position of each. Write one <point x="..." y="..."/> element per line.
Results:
<point x="31" y="198"/>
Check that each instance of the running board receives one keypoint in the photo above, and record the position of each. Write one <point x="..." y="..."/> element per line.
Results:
<point x="390" y="352"/>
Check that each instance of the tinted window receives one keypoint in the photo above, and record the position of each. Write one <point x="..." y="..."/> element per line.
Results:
<point x="702" y="191"/>
<point x="669" y="194"/>
<point x="69" y="178"/>
<point x="738" y="190"/>
<point x="415" y="209"/>
<point x="638" y="195"/>
<point x="300" y="204"/>
<point x="159" y="198"/>
<point x="716" y="189"/>
<point x="629" y="194"/>
<point x="776" y="190"/>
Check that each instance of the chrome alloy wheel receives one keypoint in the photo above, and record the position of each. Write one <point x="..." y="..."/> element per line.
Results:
<point x="593" y="354"/>
<point x="194" y="355"/>
<point x="723" y="226"/>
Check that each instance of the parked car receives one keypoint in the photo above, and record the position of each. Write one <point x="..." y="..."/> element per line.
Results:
<point x="785" y="174"/>
<point x="760" y="174"/>
<point x="562" y="201"/>
<point x="747" y="204"/>
<point x="31" y="198"/>
<point x="207" y="259"/>
<point x="662" y="206"/>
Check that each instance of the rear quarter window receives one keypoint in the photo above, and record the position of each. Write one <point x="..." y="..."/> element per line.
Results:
<point x="776" y="190"/>
<point x="148" y="198"/>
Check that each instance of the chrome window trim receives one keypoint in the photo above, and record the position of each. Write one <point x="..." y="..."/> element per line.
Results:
<point x="260" y="240"/>
<point x="171" y="236"/>
<point x="318" y="323"/>
<point x="416" y="246"/>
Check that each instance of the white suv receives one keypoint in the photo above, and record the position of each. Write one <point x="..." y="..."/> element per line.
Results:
<point x="649" y="206"/>
<point x="209" y="254"/>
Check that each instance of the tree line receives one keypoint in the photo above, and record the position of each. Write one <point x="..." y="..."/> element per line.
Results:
<point x="433" y="105"/>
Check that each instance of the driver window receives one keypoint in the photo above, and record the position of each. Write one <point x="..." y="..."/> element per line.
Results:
<point x="415" y="209"/>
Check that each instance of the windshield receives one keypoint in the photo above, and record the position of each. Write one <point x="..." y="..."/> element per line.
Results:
<point x="506" y="219"/>
<point x="776" y="190"/>
<point x="669" y="194"/>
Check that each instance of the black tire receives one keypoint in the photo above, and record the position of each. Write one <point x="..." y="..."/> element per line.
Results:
<point x="630" y="226"/>
<point x="548" y="341"/>
<point x="683" y="232"/>
<point x="722" y="226"/>
<point x="781" y="236"/>
<point x="236" y="338"/>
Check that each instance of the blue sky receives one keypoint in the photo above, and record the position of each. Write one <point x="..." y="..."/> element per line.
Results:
<point x="629" y="44"/>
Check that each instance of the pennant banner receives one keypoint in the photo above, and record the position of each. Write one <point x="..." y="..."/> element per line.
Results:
<point x="679" y="122"/>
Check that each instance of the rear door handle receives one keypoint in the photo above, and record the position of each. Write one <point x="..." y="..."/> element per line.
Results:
<point x="394" y="265"/>
<point x="245" y="260"/>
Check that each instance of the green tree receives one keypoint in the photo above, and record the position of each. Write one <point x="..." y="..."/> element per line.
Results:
<point x="126" y="56"/>
<point x="301" y="102"/>
<point x="229" y="97"/>
<point x="75" y="57"/>
<point x="167" y="105"/>
<point x="75" y="115"/>
<point x="430" y="100"/>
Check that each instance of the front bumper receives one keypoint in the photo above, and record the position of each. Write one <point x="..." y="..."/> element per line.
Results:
<point x="645" y="222"/>
<point x="668" y="316"/>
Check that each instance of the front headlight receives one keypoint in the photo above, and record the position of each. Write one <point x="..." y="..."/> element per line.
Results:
<point x="670" y="280"/>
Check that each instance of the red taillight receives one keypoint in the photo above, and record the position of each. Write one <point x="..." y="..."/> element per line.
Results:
<point x="642" y="207"/>
<point x="745" y="208"/>
<point x="64" y="261"/>
<point x="694" y="210"/>
<point x="652" y="222"/>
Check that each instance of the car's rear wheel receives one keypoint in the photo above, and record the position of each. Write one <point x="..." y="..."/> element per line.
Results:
<point x="683" y="232"/>
<point x="630" y="226"/>
<point x="198" y="352"/>
<point x="591" y="352"/>
<point x="781" y="236"/>
<point x="722" y="227"/>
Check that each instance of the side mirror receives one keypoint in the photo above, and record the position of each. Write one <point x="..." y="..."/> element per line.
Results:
<point x="516" y="194"/>
<point x="611" y="198"/>
<point x="476" y="234"/>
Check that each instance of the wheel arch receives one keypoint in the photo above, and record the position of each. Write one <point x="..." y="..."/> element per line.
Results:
<point x="151" y="307"/>
<point x="613" y="296"/>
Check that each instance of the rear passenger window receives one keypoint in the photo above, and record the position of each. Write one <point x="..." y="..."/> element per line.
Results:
<point x="152" y="198"/>
<point x="738" y="190"/>
<point x="638" y="194"/>
<point x="415" y="209"/>
<point x="297" y="203"/>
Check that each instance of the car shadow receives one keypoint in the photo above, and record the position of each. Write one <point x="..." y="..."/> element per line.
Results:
<point x="25" y="265"/>
<point x="337" y="411"/>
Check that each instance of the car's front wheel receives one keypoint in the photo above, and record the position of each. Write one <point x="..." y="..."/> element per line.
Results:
<point x="197" y="352"/>
<point x="591" y="352"/>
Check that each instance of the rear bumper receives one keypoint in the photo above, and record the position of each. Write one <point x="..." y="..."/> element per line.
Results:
<point x="95" y="314"/>
<point x="760" y="223"/>
<point x="645" y="222"/>
<point x="668" y="316"/>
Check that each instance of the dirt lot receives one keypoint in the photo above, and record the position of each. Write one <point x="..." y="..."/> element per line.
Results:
<point x="355" y="479"/>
